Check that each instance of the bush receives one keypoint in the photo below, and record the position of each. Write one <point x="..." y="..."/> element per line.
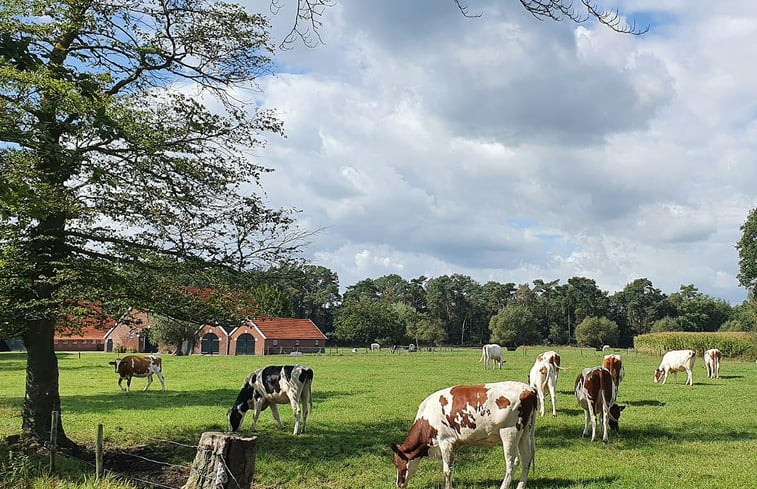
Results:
<point x="730" y="344"/>
<point x="596" y="332"/>
<point x="666" y="324"/>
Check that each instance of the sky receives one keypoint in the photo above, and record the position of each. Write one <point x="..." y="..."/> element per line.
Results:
<point x="421" y="142"/>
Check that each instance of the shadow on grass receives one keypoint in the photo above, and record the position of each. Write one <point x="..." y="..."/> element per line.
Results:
<point x="731" y="377"/>
<point x="646" y="402"/>
<point x="631" y="437"/>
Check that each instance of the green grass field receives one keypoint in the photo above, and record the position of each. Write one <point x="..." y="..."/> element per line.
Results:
<point x="672" y="435"/>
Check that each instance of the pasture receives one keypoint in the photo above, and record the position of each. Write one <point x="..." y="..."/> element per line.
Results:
<point x="671" y="435"/>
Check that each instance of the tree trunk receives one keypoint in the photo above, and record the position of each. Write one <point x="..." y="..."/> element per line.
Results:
<point x="223" y="461"/>
<point x="42" y="394"/>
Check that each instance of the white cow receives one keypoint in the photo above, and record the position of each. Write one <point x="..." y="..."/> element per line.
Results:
<point x="543" y="377"/>
<point x="478" y="415"/>
<point x="493" y="353"/>
<point x="375" y="346"/>
<point x="712" y="363"/>
<point x="596" y="393"/>
<point x="272" y="385"/>
<point x="676" y="361"/>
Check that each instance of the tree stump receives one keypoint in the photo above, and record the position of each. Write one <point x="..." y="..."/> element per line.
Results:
<point x="223" y="461"/>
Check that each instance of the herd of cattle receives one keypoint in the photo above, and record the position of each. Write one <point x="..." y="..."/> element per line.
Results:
<point x="476" y="415"/>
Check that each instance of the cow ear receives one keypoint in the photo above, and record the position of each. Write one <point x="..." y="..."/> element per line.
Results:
<point x="621" y="407"/>
<point x="397" y="450"/>
<point x="111" y="363"/>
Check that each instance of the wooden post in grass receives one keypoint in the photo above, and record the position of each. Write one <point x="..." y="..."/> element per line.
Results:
<point x="99" y="452"/>
<point x="53" y="439"/>
<point x="223" y="461"/>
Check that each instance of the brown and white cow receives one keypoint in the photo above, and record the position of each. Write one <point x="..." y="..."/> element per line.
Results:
<point x="477" y="415"/>
<point x="676" y="361"/>
<point x="543" y="377"/>
<point x="596" y="393"/>
<point x="491" y="353"/>
<point x="712" y="363"/>
<point x="615" y="366"/>
<point x="272" y="385"/>
<point x="138" y="366"/>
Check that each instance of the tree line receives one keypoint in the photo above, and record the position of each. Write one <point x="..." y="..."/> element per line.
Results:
<point x="457" y="310"/>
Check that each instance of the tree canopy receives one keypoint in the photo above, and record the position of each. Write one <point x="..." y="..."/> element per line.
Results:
<point x="124" y="143"/>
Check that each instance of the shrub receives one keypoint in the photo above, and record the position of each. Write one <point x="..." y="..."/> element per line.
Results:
<point x="594" y="331"/>
<point x="666" y="324"/>
<point x="731" y="344"/>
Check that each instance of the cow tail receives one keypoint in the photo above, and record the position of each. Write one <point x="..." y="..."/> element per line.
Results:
<point x="532" y="442"/>
<point x="309" y="387"/>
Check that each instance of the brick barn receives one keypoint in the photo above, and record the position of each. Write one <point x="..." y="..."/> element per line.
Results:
<point x="106" y="335"/>
<point x="262" y="336"/>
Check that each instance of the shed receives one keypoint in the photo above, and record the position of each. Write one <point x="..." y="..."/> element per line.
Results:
<point x="265" y="335"/>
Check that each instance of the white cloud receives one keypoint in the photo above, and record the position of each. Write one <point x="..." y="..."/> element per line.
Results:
<point x="508" y="149"/>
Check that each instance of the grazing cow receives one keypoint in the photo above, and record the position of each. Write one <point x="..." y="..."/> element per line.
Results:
<point x="138" y="366"/>
<point x="596" y="393"/>
<point x="615" y="366"/>
<point x="712" y="363"/>
<point x="543" y="377"/>
<point x="375" y="346"/>
<point x="272" y="385"/>
<point x="477" y="415"/>
<point x="676" y="361"/>
<point x="493" y="353"/>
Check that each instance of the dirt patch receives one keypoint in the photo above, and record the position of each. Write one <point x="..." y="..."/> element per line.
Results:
<point x="147" y="465"/>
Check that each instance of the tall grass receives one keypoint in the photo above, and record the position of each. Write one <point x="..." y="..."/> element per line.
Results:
<point x="730" y="343"/>
<point x="671" y="435"/>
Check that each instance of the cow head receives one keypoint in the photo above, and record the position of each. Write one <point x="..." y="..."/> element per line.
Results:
<point x="615" y="411"/>
<point x="244" y="400"/>
<point x="658" y="374"/>
<point x="405" y="467"/>
<point x="115" y="364"/>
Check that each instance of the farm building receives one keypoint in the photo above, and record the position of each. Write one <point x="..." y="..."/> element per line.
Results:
<point x="107" y="335"/>
<point x="262" y="335"/>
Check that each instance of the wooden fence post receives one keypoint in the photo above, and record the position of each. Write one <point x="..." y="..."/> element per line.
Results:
<point x="223" y="461"/>
<point x="99" y="452"/>
<point x="53" y="439"/>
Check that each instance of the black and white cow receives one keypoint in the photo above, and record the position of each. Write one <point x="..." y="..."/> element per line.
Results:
<point x="272" y="385"/>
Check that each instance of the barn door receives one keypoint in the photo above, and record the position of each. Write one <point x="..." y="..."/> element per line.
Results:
<point x="209" y="344"/>
<point x="245" y="345"/>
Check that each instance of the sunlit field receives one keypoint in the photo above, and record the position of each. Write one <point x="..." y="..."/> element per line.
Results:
<point x="672" y="435"/>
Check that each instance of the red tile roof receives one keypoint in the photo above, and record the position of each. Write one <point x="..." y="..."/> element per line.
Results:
<point x="288" y="329"/>
<point x="86" y="333"/>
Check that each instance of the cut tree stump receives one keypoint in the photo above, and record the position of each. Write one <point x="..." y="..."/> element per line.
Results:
<point x="223" y="461"/>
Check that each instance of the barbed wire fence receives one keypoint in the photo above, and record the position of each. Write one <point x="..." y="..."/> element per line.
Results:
<point x="99" y="467"/>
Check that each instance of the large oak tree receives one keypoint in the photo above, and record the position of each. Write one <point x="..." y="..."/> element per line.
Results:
<point x="124" y="138"/>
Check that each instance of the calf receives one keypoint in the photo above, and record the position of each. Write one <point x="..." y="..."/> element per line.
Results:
<point x="493" y="353"/>
<point x="138" y="366"/>
<point x="712" y="363"/>
<point x="675" y="361"/>
<point x="543" y="377"/>
<point x="615" y="366"/>
<point x="596" y="392"/>
<point x="272" y="385"/>
<point x="477" y="415"/>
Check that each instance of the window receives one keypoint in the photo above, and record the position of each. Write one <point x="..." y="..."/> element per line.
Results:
<point x="317" y="343"/>
<point x="275" y="342"/>
<point x="296" y="342"/>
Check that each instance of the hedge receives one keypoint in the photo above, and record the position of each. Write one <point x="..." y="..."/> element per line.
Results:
<point x="730" y="343"/>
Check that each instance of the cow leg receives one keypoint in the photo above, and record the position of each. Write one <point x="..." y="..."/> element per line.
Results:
<point x="689" y="379"/>
<point x="586" y="423"/>
<point x="665" y="377"/>
<point x="551" y="386"/>
<point x="447" y="463"/>
<point x="305" y="399"/>
<point x="717" y="369"/>
<point x="295" y="403"/>
<point x="526" y="449"/>
<point x="149" y="381"/>
<point x="509" y="438"/>
<point x="605" y="422"/>
<point x="120" y="379"/>
<point x="162" y="380"/>
<point x="593" y="420"/>
<point x="259" y="407"/>
<point x="128" y="384"/>
<point x="275" y="412"/>
<point x="540" y="395"/>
